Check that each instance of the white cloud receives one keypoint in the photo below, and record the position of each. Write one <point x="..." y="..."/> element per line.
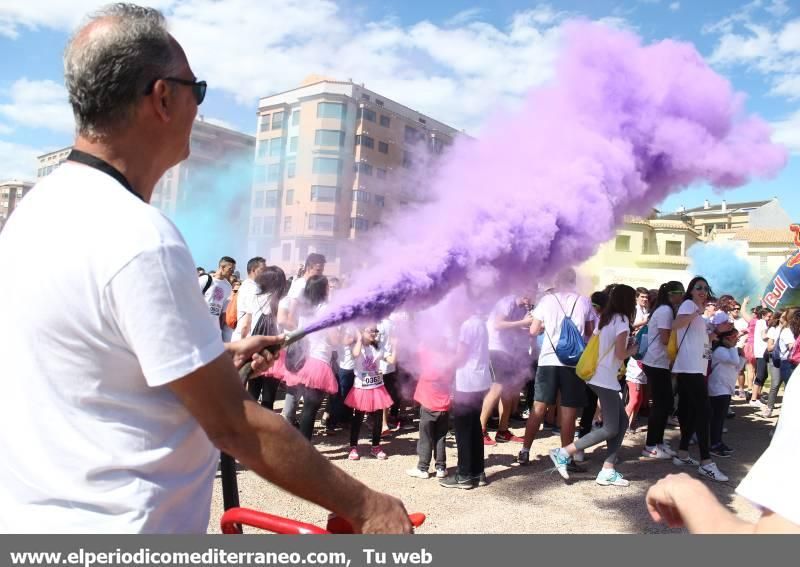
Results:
<point x="787" y="132"/>
<point x="777" y="8"/>
<point x="254" y="48"/>
<point x="38" y="104"/>
<point x="218" y="122"/>
<point x="788" y="86"/>
<point x="18" y="161"/>
<point x="675" y="6"/>
<point x="5" y="129"/>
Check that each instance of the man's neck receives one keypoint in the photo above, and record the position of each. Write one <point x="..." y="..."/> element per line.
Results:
<point x="138" y="167"/>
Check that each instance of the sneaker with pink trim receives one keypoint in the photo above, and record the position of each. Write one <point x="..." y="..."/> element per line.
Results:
<point x="378" y="453"/>
<point x="353" y="454"/>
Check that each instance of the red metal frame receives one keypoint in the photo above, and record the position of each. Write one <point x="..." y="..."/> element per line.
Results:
<point x="233" y="520"/>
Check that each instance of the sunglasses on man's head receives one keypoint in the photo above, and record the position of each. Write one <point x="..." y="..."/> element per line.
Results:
<point x="198" y="87"/>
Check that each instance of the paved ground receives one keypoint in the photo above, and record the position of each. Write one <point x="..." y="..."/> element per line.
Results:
<point x="532" y="499"/>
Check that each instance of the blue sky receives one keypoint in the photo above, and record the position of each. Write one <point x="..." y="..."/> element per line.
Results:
<point x="453" y="60"/>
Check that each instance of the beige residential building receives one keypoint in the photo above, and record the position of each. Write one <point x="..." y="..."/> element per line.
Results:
<point x="765" y="248"/>
<point x="199" y="179"/>
<point x="332" y="158"/>
<point x="11" y="193"/>
<point x="710" y="218"/>
<point x="49" y="161"/>
<point x="645" y="252"/>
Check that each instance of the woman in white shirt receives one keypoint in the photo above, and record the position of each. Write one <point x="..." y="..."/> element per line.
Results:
<point x="691" y="365"/>
<point x="657" y="369"/>
<point x="614" y="332"/>
<point x="785" y="344"/>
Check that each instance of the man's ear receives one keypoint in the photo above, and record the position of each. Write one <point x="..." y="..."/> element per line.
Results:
<point x="162" y="100"/>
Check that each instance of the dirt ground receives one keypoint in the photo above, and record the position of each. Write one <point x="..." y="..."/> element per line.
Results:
<point x="532" y="499"/>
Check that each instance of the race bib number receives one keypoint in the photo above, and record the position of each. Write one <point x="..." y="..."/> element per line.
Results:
<point x="707" y="352"/>
<point x="368" y="381"/>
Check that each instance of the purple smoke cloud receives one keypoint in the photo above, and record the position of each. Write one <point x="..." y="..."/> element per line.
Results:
<point x="621" y="126"/>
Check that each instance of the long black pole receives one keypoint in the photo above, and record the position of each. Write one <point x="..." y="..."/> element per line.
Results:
<point x="230" y="484"/>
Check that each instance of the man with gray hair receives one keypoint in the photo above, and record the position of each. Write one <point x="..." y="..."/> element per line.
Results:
<point x="118" y="392"/>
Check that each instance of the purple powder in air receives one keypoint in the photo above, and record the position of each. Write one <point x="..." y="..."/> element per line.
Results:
<point x="621" y="126"/>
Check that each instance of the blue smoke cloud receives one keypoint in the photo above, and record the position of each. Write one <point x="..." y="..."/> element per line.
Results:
<point x="727" y="271"/>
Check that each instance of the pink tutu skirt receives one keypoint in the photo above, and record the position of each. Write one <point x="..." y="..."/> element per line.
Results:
<point x="368" y="401"/>
<point x="278" y="368"/>
<point x="314" y="374"/>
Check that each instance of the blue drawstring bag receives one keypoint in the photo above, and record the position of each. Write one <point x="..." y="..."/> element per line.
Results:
<point x="570" y="342"/>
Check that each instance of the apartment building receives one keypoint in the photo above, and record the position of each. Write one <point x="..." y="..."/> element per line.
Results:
<point x="712" y="218"/>
<point x="49" y="161"/>
<point x="332" y="158"/>
<point x="11" y="192"/>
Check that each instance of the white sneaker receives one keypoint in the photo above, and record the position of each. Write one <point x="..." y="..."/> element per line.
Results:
<point x="560" y="462"/>
<point x="579" y="457"/>
<point x="668" y="450"/>
<point x="756" y="404"/>
<point x="688" y="461"/>
<point x="766" y="412"/>
<point x="441" y="473"/>
<point x="711" y="472"/>
<point x="610" y="477"/>
<point x="656" y="453"/>
<point x="416" y="473"/>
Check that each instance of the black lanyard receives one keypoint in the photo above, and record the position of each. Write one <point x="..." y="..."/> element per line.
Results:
<point x="95" y="162"/>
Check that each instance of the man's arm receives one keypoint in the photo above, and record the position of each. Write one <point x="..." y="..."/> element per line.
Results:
<point x="266" y="444"/>
<point x="679" y="500"/>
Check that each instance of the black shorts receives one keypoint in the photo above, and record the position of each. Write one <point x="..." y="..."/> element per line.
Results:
<point x="508" y="370"/>
<point x="762" y="370"/>
<point x="550" y="380"/>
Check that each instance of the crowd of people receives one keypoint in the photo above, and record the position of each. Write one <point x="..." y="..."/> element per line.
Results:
<point x="679" y="353"/>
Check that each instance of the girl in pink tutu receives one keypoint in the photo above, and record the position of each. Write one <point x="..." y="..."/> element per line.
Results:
<point x="368" y="396"/>
<point x="315" y="378"/>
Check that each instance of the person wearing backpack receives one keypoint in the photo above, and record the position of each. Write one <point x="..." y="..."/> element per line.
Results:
<point x="691" y="366"/>
<point x="614" y="347"/>
<point x="788" y="349"/>
<point x="564" y="317"/>
<point x="245" y="299"/>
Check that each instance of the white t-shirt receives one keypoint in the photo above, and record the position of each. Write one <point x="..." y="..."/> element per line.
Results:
<point x="345" y="352"/>
<point x="759" y="344"/>
<point x="319" y="347"/>
<point x="786" y="343"/>
<point x="693" y="343"/>
<point x="474" y="375"/>
<point x="741" y="326"/>
<point x="217" y="294"/>
<point x="772" y="335"/>
<point x="608" y="364"/>
<point x="244" y="304"/>
<point x="297" y="288"/>
<point x="772" y="483"/>
<point x="725" y="366"/>
<point x="386" y="338"/>
<point x="656" y="355"/>
<point x="511" y="341"/>
<point x="100" y="443"/>
<point x="367" y="368"/>
<point x="642" y="314"/>
<point x="551" y="315"/>
<point x="634" y="372"/>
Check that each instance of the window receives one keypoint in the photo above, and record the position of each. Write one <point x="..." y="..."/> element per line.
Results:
<point x="359" y="224"/>
<point x="422" y="121"/>
<point x="291" y="167"/>
<point x="379" y="102"/>
<point x="295" y="118"/>
<point x="269" y="225"/>
<point x="673" y="248"/>
<point x="293" y="145"/>
<point x="264" y="123"/>
<point x="263" y="148"/>
<point x="361" y="197"/>
<point x="275" y="147"/>
<point x="364" y="97"/>
<point x="383" y="147"/>
<point x="646" y="246"/>
<point x="437" y="145"/>
<point x="385" y="121"/>
<point x="324" y="193"/>
<point x="327" y="249"/>
<point x="362" y="167"/>
<point x="367" y="114"/>
<point x="272" y="199"/>
<point x="331" y="110"/>
<point x="260" y="175"/>
<point x="286" y="251"/>
<point x="380" y="172"/>
<point x="408" y="160"/>
<point x="364" y="140"/>
<point x="326" y="166"/>
<point x="289" y="196"/>
<point x="322" y="222"/>
<point x="277" y="120"/>
<point x="287" y="224"/>
<point x="410" y="135"/>
<point x="329" y="138"/>
<point x="380" y="201"/>
<point x="263" y="225"/>
<point x="273" y="172"/>
<point x="623" y="244"/>
<point x="258" y="199"/>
